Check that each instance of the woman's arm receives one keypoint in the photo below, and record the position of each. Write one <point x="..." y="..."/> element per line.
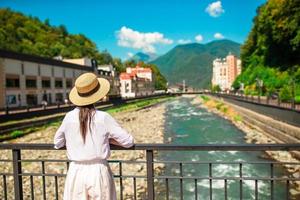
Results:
<point x="59" y="138"/>
<point x="114" y="142"/>
<point x="117" y="134"/>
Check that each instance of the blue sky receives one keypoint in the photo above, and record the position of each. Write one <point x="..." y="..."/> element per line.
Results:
<point x="124" y="27"/>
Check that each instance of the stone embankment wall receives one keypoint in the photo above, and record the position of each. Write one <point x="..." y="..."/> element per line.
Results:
<point x="267" y="129"/>
<point x="279" y="131"/>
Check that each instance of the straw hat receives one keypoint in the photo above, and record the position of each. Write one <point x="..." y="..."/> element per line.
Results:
<point x="88" y="89"/>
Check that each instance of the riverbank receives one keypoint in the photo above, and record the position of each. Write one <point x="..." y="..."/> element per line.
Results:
<point x="253" y="133"/>
<point x="19" y="128"/>
<point x="145" y="123"/>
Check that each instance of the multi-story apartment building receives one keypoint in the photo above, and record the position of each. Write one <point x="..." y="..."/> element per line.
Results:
<point x="30" y="80"/>
<point x="136" y="82"/>
<point x="225" y="71"/>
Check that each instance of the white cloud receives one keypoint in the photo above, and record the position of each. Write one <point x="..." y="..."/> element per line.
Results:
<point x="129" y="54"/>
<point x="183" y="41"/>
<point x="218" y="36"/>
<point x="199" y="38"/>
<point x="128" y="37"/>
<point x="215" y="9"/>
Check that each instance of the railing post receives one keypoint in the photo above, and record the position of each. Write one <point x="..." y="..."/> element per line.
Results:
<point x="150" y="175"/>
<point x="17" y="170"/>
<point x="6" y="110"/>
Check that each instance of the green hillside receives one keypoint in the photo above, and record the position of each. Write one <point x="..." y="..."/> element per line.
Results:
<point x="271" y="52"/>
<point x="29" y="35"/>
<point x="193" y="62"/>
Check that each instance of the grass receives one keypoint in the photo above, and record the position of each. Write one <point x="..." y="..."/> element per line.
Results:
<point x="219" y="105"/>
<point x="16" y="133"/>
<point x="224" y="109"/>
<point x="237" y="118"/>
<point x="212" y="103"/>
<point x="205" y="98"/>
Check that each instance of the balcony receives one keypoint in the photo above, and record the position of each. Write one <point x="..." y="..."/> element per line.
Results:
<point x="141" y="178"/>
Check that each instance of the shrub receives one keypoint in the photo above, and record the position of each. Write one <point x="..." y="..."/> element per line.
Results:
<point x="205" y="98"/>
<point x="219" y="105"/>
<point x="285" y="93"/>
<point x="16" y="133"/>
<point x="237" y="118"/>
<point x="224" y="109"/>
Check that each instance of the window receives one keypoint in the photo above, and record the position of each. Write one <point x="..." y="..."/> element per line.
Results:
<point x="69" y="83"/>
<point x="31" y="99"/>
<point x="12" y="82"/>
<point x="59" y="97"/>
<point x="46" y="83"/>
<point x="11" y="99"/>
<point x="30" y="83"/>
<point x="58" y="83"/>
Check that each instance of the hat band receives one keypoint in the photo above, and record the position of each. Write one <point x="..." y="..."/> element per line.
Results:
<point x="90" y="92"/>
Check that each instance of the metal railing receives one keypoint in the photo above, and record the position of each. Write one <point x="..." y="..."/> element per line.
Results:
<point x="19" y="182"/>
<point x="263" y="100"/>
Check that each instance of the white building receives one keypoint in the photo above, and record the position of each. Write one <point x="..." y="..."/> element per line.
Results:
<point x="107" y="68"/>
<point x="225" y="71"/>
<point x="220" y="75"/>
<point x="141" y="72"/>
<point x="136" y="82"/>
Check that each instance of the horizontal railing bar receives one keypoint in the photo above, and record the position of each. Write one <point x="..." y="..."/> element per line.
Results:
<point x="6" y="174"/>
<point x="170" y="147"/>
<point x="227" y="163"/>
<point x="176" y="177"/>
<point x="5" y="160"/>
<point x="55" y="160"/>
<point x="63" y="175"/>
<point x="228" y="178"/>
<point x="168" y="162"/>
<point x="41" y="174"/>
<point x="40" y="160"/>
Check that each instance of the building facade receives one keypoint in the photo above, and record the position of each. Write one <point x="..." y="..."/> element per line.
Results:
<point x="111" y="74"/>
<point x="225" y="71"/>
<point x="136" y="82"/>
<point x="28" y="80"/>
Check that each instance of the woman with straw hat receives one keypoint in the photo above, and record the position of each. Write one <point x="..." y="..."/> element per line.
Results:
<point x="87" y="132"/>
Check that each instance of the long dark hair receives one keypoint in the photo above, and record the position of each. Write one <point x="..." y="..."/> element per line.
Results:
<point x="86" y="114"/>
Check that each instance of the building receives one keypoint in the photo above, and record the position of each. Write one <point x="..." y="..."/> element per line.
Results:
<point x="141" y="72"/>
<point x="110" y="72"/>
<point x="28" y="80"/>
<point x="225" y="71"/>
<point x="80" y="61"/>
<point x="136" y="82"/>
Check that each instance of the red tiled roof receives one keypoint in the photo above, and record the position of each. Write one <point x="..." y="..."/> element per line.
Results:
<point x="125" y="76"/>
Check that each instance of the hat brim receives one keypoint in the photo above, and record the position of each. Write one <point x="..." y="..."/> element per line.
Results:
<point x="99" y="94"/>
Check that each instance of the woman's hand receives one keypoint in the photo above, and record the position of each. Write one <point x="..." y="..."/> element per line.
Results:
<point x="114" y="142"/>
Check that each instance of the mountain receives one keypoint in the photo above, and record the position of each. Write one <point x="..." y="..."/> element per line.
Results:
<point x="193" y="62"/>
<point x="140" y="56"/>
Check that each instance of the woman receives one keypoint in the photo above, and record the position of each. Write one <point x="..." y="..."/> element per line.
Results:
<point x="87" y="132"/>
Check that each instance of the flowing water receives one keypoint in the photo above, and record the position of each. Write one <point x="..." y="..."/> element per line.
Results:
<point x="188" y="124"/>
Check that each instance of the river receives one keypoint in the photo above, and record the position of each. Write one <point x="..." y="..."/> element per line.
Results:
<point x="188" y="124"/>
